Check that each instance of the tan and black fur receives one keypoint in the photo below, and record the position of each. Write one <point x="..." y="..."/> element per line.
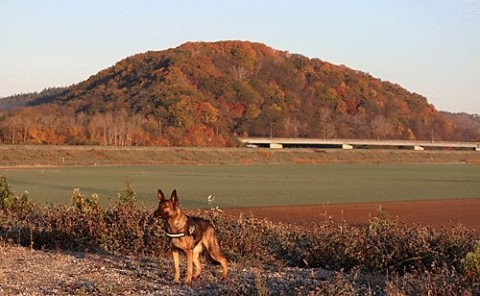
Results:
<point x="189" y="234"/>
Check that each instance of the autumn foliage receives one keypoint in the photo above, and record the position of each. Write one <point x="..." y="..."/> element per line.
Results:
<point x="206" y="94"/>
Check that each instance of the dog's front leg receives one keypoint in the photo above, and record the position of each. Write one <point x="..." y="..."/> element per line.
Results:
<point x="176" y="263"/>
<point x="189" y="254"/>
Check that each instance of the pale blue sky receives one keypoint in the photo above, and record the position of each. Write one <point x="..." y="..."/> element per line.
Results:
<point x="429" y="47"/>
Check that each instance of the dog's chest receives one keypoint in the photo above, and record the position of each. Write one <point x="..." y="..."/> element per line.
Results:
<point x="183" y="243"/>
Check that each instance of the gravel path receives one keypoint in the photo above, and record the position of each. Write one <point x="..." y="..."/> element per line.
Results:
<point x="33" y="272"/>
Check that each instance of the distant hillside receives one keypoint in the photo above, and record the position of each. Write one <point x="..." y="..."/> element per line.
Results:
<point x="467" y="126"/>
<point x="22" y="100"/>
<point x="205" y="94"/>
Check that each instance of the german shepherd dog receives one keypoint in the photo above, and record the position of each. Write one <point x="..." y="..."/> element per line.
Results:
<point x="189" y="234"/>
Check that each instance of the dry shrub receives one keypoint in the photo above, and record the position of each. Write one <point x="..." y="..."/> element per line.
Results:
<point x="472" y="262"/>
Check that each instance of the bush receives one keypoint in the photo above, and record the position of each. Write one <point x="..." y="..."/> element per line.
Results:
<point x="472" y="262"/>
<point x="5" y="193"/>
<point x="19" y="205"/>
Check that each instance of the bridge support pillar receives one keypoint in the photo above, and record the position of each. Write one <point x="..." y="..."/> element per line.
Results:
<point x="418" y="148"/>
<point x="347" y="146"/>
<point x="276" y="145"/>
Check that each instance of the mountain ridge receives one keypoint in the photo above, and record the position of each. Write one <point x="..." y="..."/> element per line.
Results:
<point x="207" y="93"/>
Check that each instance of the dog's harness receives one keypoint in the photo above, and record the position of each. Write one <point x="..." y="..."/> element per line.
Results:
<point x="190" y="230"/>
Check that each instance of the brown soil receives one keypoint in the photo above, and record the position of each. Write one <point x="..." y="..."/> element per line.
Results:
<point x="435" y="213"/>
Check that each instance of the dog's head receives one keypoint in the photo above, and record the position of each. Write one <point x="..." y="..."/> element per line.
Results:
<point x="167" y="207"/>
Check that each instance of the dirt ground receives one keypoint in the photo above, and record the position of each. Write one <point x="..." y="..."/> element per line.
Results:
<point x="435" y="213"/>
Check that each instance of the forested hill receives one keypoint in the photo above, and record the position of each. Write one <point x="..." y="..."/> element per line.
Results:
<point x="205" y="94"/>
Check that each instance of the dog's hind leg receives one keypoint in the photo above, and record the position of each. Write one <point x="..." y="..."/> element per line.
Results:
<point x="214" y="251"/>
<point x="196" y="260"/>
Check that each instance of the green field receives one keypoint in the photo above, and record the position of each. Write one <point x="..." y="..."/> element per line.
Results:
<point x="255" y="185"/>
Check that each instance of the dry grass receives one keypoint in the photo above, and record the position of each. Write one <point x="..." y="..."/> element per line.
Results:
<point x="31" y="155"/>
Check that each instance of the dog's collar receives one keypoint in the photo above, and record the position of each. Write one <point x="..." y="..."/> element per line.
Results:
<point x="175" y="235"/>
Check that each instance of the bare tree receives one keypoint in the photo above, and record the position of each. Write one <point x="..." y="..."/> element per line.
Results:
<point x="326" y="125"/>
<point x="292" y="127"/>
<point x="239" y="72"/>
<point x="381" y="127"/>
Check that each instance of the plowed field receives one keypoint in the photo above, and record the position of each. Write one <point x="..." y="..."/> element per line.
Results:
<point x="435" y="213"/>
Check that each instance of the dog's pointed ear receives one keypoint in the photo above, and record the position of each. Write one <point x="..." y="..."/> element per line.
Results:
<point x="160" y="195"/>
<point x="174" y="197"/>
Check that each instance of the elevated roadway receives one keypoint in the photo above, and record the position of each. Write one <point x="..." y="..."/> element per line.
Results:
<point x="357" y="143"/>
